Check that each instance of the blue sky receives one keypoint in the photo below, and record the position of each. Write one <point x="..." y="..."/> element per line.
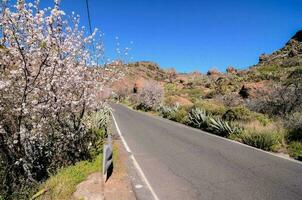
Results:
<point x="193" y="34"/>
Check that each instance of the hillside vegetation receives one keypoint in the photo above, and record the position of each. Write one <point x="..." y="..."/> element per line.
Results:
<point x="260" y="106"/>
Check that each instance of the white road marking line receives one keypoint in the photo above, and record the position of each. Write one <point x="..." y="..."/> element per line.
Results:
<point x="136" y="165"/>
<point x="236" y="142"/>
<point x="138" y="186"/>
<point x="120" y="134"/>
<point x="219" y="137"/>
<point x="144" y="177"/>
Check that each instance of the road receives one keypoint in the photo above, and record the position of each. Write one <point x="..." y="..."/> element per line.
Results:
<point x="182" y="163"/>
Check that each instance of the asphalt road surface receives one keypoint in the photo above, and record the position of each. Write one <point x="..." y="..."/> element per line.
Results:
<point x="182" y="163"/>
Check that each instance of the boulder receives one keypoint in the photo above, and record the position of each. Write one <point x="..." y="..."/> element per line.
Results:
<point x="263" y="58"/>
<point x="244" y="92"/>
<point x="231" y="70"/>
<point x="253" y="90"/>
<point x="293" y="53"/>
<point x="213" y="72"/>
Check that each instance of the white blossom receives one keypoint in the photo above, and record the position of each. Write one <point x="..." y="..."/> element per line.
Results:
<point x="48" y="78"/>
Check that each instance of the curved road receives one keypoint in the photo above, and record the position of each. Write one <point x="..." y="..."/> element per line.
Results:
<point x="182" y="163"/>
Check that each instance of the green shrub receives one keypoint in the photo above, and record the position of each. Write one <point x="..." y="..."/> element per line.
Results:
<point x="268" y="141"/>
<point x="223" y="86"/>
<point x="194" y="93"/>
<point x="211" y="107"/>
<point x="237" y="113"/>
<point x="294" y="135"/>
<point x="295" y="150"/>
<point x="170" y="101"/>
<point x="223" y="128"/>
<point x="294" y="126"/>
<point x="263" y="119"/>
<point x="244" y="114"/>
<point x="170" y="89"/>
<point x="268" y="72"/>
<point x="210" y="94"/>
<point x="268" y="69"/>
<point x="180" y="115"/>
<point x="291" y="62"/>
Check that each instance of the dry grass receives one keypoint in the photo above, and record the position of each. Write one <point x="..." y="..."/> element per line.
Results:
<point x="269" y="137"/>
<point x="259" y="127"/>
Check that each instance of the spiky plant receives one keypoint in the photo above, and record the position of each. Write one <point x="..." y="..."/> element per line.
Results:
<point x="223" y="128"/>
<point x="99" y="120"/>
<point x="198" y="118"/>
<point x="97" y="124"/>
<point x="167" y="111"/>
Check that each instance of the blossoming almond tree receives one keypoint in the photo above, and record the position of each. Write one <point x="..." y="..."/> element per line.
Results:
<point x="150" y="95"/>
<point x="46" y="88"/>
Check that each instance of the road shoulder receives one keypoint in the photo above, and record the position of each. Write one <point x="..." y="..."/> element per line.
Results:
<point x="118" y="186"/>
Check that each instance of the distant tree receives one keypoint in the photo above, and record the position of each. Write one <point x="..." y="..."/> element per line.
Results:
<point x="135" y="88"/>
<point x="122" y="92"/>
<point x="150" y="95"/>
<point x="171" y="72"/>
<point x="213" y="71"/>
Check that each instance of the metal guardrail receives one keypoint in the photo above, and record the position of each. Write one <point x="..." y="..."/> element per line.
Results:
<point x="107" y="158"/>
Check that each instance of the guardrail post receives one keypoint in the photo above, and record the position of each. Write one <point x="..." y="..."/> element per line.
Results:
<point x="107" y="158"/>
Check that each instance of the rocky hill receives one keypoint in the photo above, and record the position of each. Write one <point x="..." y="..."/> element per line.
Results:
<point x="288" y="56"/>
<point x="234" y="84"/>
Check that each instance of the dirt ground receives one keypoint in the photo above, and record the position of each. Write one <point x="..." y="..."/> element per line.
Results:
<point x="117" y="187"/>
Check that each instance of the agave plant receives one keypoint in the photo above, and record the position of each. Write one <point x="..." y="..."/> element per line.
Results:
<point x="198" y="118"/>
<point x="167" y="111"/>
<point x="223" y="128"/>
<point x="100" y="119"/>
